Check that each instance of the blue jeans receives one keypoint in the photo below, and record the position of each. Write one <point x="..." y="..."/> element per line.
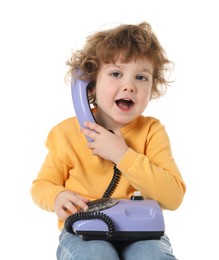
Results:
<point x="73" y="247"/>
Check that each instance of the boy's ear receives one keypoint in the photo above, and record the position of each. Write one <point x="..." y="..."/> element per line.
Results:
<point x="91" y="86"/>
<point x="91" y="90"/>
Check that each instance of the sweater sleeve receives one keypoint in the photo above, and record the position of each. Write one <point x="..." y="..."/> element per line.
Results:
<point x="48" y="182"/>
<point x="155" y="172"/>
<point x="53" y="172"/>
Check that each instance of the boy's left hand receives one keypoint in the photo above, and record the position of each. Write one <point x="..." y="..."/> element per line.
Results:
<point x="105" y="144"/>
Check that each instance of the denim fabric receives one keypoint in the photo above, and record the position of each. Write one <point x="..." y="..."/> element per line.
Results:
<point x="73" y="247"/>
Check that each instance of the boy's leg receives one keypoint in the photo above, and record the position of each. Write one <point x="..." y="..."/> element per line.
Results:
<point x="149" y="249"/>
<point x="73" y="247"/>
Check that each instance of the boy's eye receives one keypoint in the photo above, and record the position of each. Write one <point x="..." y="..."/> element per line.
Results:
<point x="141" y="77"/>
<point x="116" y="74"/>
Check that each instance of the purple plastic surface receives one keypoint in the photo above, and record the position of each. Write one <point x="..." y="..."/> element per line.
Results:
<point x="128" y="215"/>
<point x="80" y="103"/>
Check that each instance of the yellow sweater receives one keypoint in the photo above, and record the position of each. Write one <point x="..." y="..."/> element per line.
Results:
<point x="148" y="166"/>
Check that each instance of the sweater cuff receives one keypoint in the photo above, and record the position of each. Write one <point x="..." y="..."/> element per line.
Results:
<point x="127" y="160"/>
<point x="53" y="197"/>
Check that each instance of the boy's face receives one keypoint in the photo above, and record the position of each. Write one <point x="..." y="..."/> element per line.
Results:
<point x="122" y="92"/>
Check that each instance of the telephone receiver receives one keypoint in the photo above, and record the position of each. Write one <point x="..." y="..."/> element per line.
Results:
<point x="81" y="103"/>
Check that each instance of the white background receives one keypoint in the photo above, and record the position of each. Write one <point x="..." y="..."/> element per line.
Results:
<point x="37" y="38"/>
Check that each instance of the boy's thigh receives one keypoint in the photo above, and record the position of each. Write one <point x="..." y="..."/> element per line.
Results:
<point x="73" y="247"/>
<point x="149" y="249"/>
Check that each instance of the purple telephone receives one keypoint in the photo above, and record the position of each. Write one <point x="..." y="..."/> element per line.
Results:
<point x="108" y="218"/>
<point x="80" y="103"/>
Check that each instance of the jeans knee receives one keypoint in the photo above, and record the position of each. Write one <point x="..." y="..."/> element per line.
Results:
<point x="150" y="250"/>
<point x="92" y="250"/>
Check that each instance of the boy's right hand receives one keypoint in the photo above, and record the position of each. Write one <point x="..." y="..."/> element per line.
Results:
<point x="68" y="203"/>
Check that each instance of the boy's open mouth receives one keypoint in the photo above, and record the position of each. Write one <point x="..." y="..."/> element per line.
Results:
<point x="124" y="104"/>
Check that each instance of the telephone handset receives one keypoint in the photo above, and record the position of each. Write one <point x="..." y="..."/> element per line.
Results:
<point x="83" y="112"/>
<point x="81" y="103"/>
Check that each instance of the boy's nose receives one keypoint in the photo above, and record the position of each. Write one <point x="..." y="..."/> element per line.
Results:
<point x="129" y="87"/>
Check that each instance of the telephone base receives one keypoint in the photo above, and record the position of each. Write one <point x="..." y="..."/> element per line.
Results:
<point x="111" y="219"/>
<point x="120" y="236"/>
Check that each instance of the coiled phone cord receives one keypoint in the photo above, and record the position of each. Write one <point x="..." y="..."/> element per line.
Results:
<point x="97" y="215"/>
<point x="113" y="184"/>
<point x="90" y="216"/>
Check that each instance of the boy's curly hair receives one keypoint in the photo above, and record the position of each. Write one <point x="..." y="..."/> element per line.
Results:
<point x="133" y="42"/>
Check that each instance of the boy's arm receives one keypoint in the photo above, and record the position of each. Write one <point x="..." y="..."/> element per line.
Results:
<point x="155" y="173"/>
<point x="49" y="182"/>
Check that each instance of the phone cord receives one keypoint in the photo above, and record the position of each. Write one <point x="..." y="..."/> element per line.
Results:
<point x="90" y="216"/>
<point x="97" y="215"/>
<point x="113" y="184"/>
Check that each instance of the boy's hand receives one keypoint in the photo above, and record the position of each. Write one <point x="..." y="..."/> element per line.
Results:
<point x="67" y="203"/>
<point x="107" y="145"/>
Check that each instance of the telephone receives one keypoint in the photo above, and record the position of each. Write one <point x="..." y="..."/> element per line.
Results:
<point x="109" y="218"/>
<point x="80" y="102"/>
